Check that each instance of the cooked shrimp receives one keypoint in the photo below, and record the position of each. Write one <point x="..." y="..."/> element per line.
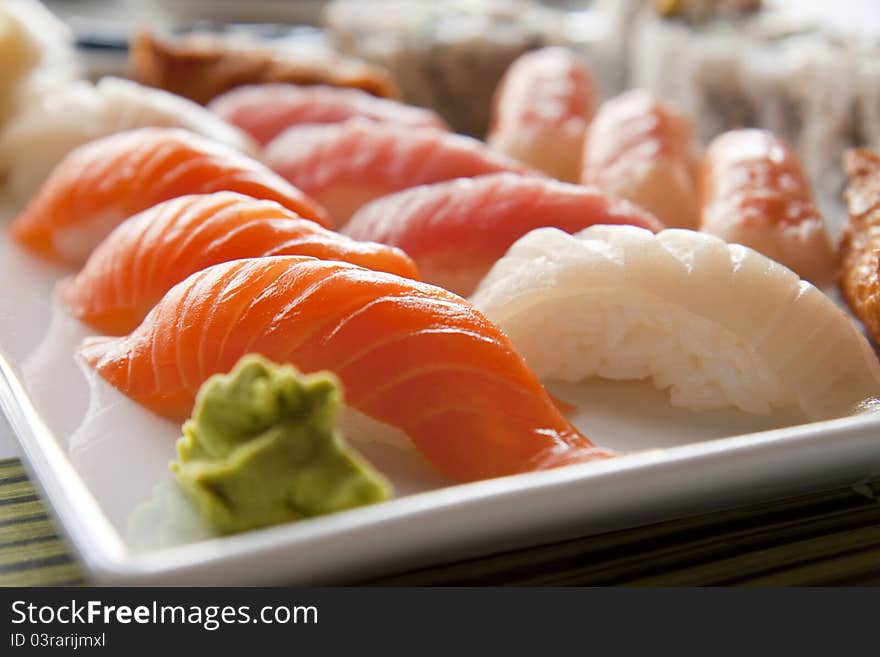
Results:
<point x="754" y="192"/>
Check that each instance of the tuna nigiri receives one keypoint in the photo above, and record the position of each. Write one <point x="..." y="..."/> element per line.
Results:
<point x="541" y="111"/>
<point x="409" y="354"/>
<point x="716" y="324"/>
<point x="860" y="242"/>
<point x="151" y="252"/>
<point x="265" y="110"/>
<point x="755" y="193"/>
<point x="100" y="184"/>
<point x="640" y="148"/>
<point x="346" y="165"/>
<point x="456" y="230"/>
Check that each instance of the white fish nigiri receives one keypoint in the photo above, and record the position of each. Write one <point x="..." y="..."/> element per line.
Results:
<point x="717" y="325"/>
<point x="81" y="112"/>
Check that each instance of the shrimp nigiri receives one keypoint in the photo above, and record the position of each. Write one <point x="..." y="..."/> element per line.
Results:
<point x="541" y="111"/>
<point x="639" y="148"/>
<point x="754" y="193"/>
<point x="100" y="184"/>
<point x="345" y="165"/>
<point x="456" y="230"/>
<point x="860" y="241"/>
<point x="265" y="110"/>
<point x="148" y="254"/>
<point x="409" y="354"/>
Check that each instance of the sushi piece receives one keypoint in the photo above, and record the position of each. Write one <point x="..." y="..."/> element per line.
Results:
<point x="755" y="193"/>
<point x="151" y="252"/>
<point x="409" y="354"/>
<point x="70" y="115"/>
<point x="264" y="111"/>
<point x="201" y="65"/>
<point x="19" y="54"/>
<point x="716" y="324"/>
<point x="542" y="109"/>
<point x="36" y="54"/>
<point x="99" y="185"/>
<point x="456" y="230"/>
<point x="639" y="148"/>
<point x="805" y="70"/>
<point x="345" y="165"/>
<point x="860" y="240"/>
<point x="448" y="55"/>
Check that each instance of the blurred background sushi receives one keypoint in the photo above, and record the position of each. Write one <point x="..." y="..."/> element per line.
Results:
<point x="805" y="69"/>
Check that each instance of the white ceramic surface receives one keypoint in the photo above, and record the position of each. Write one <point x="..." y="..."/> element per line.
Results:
<point x="102" y="463"/>
<point x="9" y="448"/>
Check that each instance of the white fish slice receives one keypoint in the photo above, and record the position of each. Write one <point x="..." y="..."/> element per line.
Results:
<point x="59" y="121"/>
<point x="716" y="324"/>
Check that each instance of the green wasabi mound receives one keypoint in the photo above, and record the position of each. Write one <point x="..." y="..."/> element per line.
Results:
<point x="262" y="447"/>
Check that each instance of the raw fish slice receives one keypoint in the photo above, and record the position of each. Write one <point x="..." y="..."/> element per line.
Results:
<point x="639" y="148"/>
<point x="99" y="185"/>
<point x="69" y="115"/>
<point x="151" y="252"/>
<point x="716" y="324"/>
<point x="265" y="110"/>
<point x="860" y="242"/>
<point x="456" y="230"/>
<point x="346" y="165"/>
<point x="754" y="192"/>
<point x="409" y="354"/>
<point x="541" y="111"/>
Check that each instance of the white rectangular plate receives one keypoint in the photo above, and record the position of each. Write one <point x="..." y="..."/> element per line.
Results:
<point x="102" y="463"/>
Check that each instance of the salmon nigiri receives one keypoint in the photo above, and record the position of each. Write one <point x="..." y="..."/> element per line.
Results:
<point x="345" y="165"/>
<point x="102" y="183"/>
<point x="409" y="354"/>
<point x="541" y="111"/>
<point x="640" y="148"/>
<point x="265" y="110"/>
<point x="456" y="230"/>
<point x="151" y="252"/>
<point x="755" y="193"/>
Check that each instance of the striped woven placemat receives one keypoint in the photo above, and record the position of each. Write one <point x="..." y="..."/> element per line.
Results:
<point x="826" y="538"/>
<point x="31" y="551"/>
